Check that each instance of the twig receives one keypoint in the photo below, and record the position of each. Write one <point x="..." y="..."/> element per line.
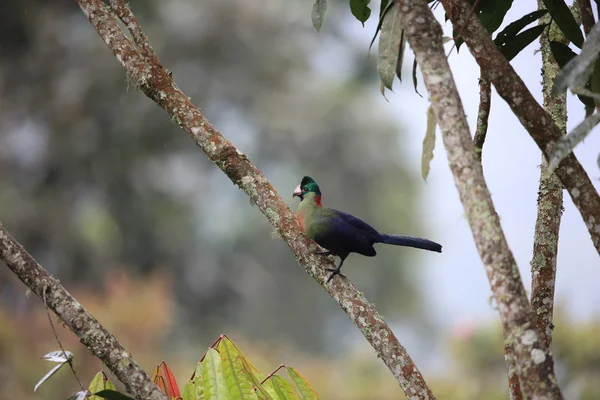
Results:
<point x="139" y="38"/>
<point x="69" y="360"/>
<point x="157" y="84"/>
<point x="483" y="114"/>
<point x="533" y="117"/>
<point x="94" y="336"/>
<point x="587" y="15"/>
<point x="533" y="359"/>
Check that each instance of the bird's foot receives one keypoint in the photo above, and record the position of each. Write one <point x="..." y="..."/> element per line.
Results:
<point x="334" y="272"/>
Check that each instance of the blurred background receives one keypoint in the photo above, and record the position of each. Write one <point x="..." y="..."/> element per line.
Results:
<point x="120" y="205"/>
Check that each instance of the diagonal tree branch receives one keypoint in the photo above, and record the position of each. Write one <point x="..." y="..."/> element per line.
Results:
<point x="533" y="117"/>
<point x="155" y="81"/>
<point x="533" y="360"/>
<point x="89" y="331"/>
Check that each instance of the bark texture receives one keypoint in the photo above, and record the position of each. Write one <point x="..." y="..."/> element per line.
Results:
<point x="533" y="359"/>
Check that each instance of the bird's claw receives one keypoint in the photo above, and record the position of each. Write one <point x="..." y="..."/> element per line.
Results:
<point x="334" y="272"/>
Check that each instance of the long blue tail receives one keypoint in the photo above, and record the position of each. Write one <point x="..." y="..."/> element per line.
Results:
<point x="410" y="241"/>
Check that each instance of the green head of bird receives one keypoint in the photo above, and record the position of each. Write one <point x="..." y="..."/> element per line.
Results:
<point x="308" y="185"/>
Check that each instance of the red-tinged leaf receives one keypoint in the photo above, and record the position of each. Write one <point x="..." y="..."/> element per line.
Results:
<point x="165" y="380"/>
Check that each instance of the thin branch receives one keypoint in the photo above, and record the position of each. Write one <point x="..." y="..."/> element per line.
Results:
<point x="157" y="84"/>
<point x="533" y="360"/>
<point x="533" y="117"/>
<point x="550" y="195"/>
<point x="483" y="114"/>
<point x="89" y="331"/>
<point x="70" y="359"/>
<point x="587" y="15"/>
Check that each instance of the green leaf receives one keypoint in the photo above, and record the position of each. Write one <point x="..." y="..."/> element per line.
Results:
<point x="306" y="390"/>
<point x="513" y="28"/>
<point x="318" y="13"/>
<point x="565" y="145"/>
<point x="238" y="384"/>
<point x="360" y="10"/>
<point x="283" y="388"/>
<point x="213" y="380"/>
<point x="390" y="43"/>
<point x="385" y="7"/>
<point x="565" y="20"/>
<point x="189" y="391"/>
<point x="513" y="46"/>
<point x="112" y="395"/>
<point x="99" y="383"/>
<point x="491" y="13"/>
<point x="428" y="143"/>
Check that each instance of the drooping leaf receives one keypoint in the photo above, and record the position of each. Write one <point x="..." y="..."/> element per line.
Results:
<point x="491" y="13"/>
<point x="283" y="388"/>
<point x="214" y="383"/>
<point x="318" y="13"/>
<point x="305" y="389"/>
<point x="238" y="384"/>
<point x="563" y="54"/>
<point x="401" y="55"/>
<point x="514" y="45"/>
<point x="385" y="7"/>
<point x="389" y="46"/>
<point x="560" y="12"/>
<point x="99" y="383"/>
<point x="577" y="71"/>
<point x="360" y="10"/>
<point x="112" y="395"/>
<point x="428" y="143"/>
<point x="565" y="145"/>
<point x="514" y="28"/>
<point x="414" y="76"/>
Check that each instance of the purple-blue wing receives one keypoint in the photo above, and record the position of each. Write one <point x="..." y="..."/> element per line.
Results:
<point x="358" y="223"/>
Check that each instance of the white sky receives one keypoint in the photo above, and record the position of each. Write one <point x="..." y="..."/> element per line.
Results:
<point x="456" y="285"/>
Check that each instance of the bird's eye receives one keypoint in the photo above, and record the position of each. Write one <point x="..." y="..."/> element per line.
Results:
<point x="305" y="189"/>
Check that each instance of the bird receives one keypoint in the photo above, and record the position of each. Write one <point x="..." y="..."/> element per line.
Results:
<point x="341" y="233"/>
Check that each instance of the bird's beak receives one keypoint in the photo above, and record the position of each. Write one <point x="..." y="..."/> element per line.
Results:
<point x="297" y="192"/>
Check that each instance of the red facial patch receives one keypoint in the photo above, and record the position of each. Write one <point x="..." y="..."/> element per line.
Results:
<point x="318" y="200"/>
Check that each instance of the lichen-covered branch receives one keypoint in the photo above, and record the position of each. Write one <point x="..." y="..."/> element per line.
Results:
<point x="532" y="116"/>
<point x="483" y="114"/>
<point x="550" y="197"/>
<point x="533" y="360"/>
<point x="156" y="83"/>
<point x="89" y="331"/>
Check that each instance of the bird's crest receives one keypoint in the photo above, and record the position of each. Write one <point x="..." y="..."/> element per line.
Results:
<point x="308" y="185"/>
